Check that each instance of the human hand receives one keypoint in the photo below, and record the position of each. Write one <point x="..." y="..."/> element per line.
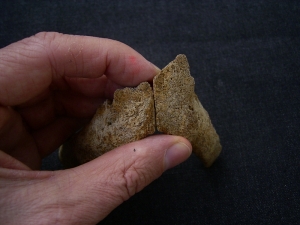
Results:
<point x="51" y="85"/>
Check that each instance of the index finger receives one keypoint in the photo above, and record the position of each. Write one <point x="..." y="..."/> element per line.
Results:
<point x="32" y="65"/>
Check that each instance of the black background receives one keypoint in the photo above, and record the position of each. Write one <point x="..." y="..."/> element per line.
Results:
<point x="244" y="56"/>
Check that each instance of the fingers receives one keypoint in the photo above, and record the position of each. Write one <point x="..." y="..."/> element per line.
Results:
<point x="15" y="140"/>
<point x="49" y="138"/>
<point x="94" y="87"/>
<point x="104" y="183"/>
<point x="9" y="162"/>
<point x="30" y="66"/>
<point x="88" y="193"/>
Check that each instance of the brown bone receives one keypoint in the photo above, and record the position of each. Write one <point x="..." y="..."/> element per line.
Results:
<point x="131" y="117"/>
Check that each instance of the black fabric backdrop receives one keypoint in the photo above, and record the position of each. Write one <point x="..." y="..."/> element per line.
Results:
<point x="244" y="56"/>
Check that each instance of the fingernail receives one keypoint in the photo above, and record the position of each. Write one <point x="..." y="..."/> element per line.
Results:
<point x="176" y="154"/>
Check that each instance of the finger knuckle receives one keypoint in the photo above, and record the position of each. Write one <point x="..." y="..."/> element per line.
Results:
<point x="135" y="178"/>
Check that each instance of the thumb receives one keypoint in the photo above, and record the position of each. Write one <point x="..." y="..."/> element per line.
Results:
<point x="96" y="188"/>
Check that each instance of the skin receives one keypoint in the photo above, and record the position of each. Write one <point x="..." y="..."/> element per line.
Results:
<point x="50" y="85"/>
